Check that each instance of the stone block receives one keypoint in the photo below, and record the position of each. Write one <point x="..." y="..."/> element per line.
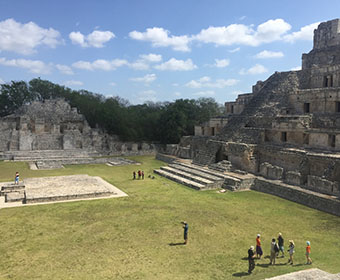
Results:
<point x="293" y="178"/>
<point x="275" y="172"/>
<point x="319" y="184"/>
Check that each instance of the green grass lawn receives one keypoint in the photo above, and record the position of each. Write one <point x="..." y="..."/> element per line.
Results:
<point x="128" y="238"/>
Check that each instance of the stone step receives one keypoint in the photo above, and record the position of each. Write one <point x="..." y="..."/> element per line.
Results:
<point x="36" y="199"/>
<point x="205" y="170"/>
<point x="179" y="179"/>
<point x="194" y="171"/>
<point x="15" y="196"/>
<point x="187" y="175"/>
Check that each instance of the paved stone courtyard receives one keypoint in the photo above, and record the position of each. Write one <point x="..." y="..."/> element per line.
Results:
<point x="308" y="274"/>
<point x="62" y="188"/>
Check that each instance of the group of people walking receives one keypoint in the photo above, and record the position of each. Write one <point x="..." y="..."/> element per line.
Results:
<point x="276" y="246"/>
<point x="140" y="174"/>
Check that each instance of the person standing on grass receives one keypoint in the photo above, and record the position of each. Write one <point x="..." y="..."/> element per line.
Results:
<point x="259" y="251"/>
<point x="134" y="175"/>
<point x="251" y="259"/>
<point x="274" y="249"/>
<point x="309" y="260"/>
<point x="16" y="180"/>
<point x="142" y="175"/>
<point x="139" y="174"/>
<point x="291" y="251"/>
<point x="281" y="247"/>
<point x="186" y="228"/>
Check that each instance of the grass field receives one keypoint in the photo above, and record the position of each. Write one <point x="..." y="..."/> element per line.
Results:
<point x="129" y="238"/>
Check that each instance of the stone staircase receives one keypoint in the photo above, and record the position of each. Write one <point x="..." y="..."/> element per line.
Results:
<point x="202" y="178"/>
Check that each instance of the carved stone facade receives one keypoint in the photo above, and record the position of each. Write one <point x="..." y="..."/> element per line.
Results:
<point x="288" y="128"/>
<point x="54" y="125"/>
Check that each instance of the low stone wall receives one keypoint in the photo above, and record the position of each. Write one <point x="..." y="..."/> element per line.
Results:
<point x="299" y="195"/>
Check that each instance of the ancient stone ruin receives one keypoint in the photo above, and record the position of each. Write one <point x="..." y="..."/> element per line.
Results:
<point x="51" y="134"/>
<point x="286" y="133"/>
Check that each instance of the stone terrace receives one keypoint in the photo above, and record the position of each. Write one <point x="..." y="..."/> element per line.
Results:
<point x="59" y="188"/>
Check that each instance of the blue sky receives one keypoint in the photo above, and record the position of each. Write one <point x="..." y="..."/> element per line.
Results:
<point x="157" y="50"/>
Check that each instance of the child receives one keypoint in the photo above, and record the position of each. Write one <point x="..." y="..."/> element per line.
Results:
<point x="291" y="251"/>
<point x="16" y="180"/>
<point x="309" y="260"/>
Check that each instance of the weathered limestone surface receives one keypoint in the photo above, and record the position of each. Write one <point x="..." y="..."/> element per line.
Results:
<point x="308" y="274"/>
<point x="54" y="126"/>
<point x="288" y="128"/>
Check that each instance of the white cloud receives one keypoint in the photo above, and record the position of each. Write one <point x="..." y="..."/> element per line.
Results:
<point x="64" y="69"/>
<point x="266" y="32"/>
<point x="112" y="84"/>
<point x="34" y="66"/>
<point x="139" y="65"/>
<point x="305" y="33"/>
<point x="151" y="57"/>
<point x="159" y="37"/>
<point x="95" y="39"/>
<point x="221" y="63"/>
<point x="177" y="93"/>
<point x="177" y="65"/>
<point x="235" y="50"/>
<point x="149" y="78"/>
<point x="147" y="95"/>
<point x="100" y="64"/>
<point x="256" y="69"/>
<point x="205" y="93"/>
<point x="2" y="81"/>
<point x="297" y="68"/>
<point x="144" y="62"/>
<point x="25" y="38"/>
<point x="269" y="54"/>
<point x="73" y="83"/>
<point x="207" y="83"/>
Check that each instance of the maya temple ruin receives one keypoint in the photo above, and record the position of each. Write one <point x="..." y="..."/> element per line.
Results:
<point x="283" y="138"/>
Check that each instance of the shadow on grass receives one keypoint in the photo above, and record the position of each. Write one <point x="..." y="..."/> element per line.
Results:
<point x="176" y="244"/>
<point x="241" y="274"/>
<point x="244" y="258"/>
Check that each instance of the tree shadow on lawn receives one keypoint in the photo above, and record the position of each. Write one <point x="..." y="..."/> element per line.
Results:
<point x="176" y="244"/>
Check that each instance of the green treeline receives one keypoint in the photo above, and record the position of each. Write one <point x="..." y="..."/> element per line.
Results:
<point x="163" y="122"/>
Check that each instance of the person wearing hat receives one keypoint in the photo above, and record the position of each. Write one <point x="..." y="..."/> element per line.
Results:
<point x="251" y="259"/>
<point x="280" y="241"/>
<point x="291" y="251"/>
<point x="186" y="228"/>
<point x="259" y="251"/>
<point x="309" y="260"/>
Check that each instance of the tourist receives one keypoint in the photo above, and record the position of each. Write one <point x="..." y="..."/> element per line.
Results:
<point x="251" y="259"/>
<point x="259" y="251"/>
<point x="281" y="247"/>
<point x="186" y="228"/>
<point x="309" y="260"/>
<point x="16" y="180"/>
<point x="134" y="175"/>
<point x="142" y="175"/>
<point x="274" y="249"/>
<point x="291" y="251"/>
<point x="139" y="174"/>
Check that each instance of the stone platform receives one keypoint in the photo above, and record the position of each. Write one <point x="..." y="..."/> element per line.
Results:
<point x="59" y="188"/>
<point x="308" y="274"/>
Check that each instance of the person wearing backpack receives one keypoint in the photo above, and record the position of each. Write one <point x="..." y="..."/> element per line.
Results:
<point x="274" y="249"/>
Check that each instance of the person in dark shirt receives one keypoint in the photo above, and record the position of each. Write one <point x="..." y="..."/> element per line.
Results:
<point x="281" y="243"/>
<point x="251" y="259"/>
<point x="186" y="228"/>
